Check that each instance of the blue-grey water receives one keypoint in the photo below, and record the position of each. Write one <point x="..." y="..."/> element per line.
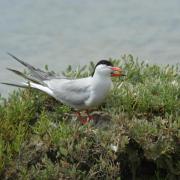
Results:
<point x="62" y="32"/>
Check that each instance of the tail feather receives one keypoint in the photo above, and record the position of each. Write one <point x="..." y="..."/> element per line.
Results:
<point x="31" y="85"/>
<point x="41" y="87"/>
<point x="24" y="76"/>
<point x="16" y="85"/>
<point x="36" y="81"/>
<point x="37" y="73"/>
<point x="22" y="62"/>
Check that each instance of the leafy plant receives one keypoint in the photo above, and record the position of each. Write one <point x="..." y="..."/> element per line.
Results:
<point x="135" y="134"/>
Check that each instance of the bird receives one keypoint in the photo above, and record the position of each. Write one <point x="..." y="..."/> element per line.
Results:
<point x="80" y="93"/>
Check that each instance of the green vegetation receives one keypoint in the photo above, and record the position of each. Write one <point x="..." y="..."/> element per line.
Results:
<point x="135" y="134"/>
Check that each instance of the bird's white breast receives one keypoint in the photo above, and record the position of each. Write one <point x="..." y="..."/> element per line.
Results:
<point x="100" y="87"/>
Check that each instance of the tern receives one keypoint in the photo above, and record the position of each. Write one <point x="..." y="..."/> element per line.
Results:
<point x="80" y="94"/>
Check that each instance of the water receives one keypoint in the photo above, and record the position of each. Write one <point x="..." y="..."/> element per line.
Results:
<point x="62" y="32"/>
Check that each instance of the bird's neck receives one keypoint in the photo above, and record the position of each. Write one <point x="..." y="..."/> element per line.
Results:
<point x="99" y="80"/>
<point x="100" y="77"/>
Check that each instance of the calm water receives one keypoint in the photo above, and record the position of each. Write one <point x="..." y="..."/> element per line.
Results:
<point x="62" y="32"/>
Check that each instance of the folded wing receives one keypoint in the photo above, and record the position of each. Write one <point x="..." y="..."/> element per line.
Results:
<point x="71" y="92"/>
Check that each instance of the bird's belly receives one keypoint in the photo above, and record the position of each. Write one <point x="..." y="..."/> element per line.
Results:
<point x="98" y="95"/>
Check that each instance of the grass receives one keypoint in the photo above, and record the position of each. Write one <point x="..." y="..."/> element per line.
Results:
<point x="135" y="135"/>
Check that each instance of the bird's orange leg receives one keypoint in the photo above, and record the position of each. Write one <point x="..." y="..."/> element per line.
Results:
<point x="89" y="116"/>
<point x="83" y="121"/>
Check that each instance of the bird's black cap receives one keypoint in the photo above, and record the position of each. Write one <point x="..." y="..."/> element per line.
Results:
<point x="103" y="61"/>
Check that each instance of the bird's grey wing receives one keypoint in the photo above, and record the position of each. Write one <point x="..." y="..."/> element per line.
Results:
<point x="71" y="92"/>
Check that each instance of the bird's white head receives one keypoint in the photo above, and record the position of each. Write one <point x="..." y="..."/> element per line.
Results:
<point x="106" y="68"/>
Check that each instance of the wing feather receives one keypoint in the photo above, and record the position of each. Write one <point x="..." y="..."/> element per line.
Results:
<point x="71" y="92"/>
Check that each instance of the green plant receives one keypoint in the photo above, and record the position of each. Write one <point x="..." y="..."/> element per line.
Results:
<point x="40" y="138"/>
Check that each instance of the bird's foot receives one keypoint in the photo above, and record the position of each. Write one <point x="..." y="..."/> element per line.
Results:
<point x="84" y="120"/>
<point x="89" y="118"/>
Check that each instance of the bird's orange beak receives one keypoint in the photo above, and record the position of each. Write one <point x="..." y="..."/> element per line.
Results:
<point x="117" y="72"/>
